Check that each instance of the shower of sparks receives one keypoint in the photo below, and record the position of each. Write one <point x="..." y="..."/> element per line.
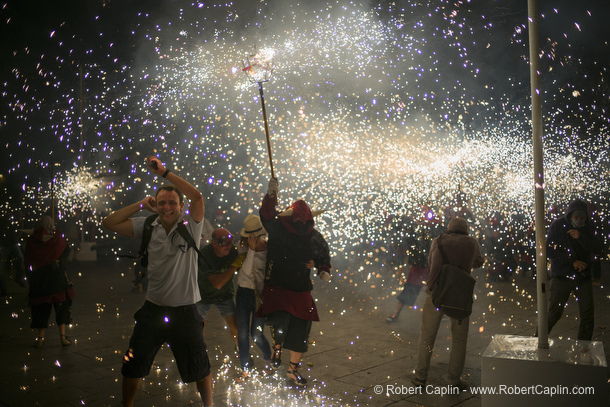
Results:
<point x="375" y="112"/>
<point x="73" y="190"/>
<point x="269" y="389"/>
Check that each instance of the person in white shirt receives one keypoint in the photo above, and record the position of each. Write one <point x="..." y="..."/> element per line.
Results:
<point x="169" y="313"/>
<point x="250" y="281"/>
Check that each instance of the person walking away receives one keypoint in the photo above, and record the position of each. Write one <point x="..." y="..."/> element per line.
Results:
<point x="169" y="313"/>
<point x="463" y="251"/>
<point x="46" y="251"/>
<point x="418" y="246"/>
<point x="11" y="256"/>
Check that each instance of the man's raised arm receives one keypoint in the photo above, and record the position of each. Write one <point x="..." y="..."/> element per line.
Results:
<point x="119" y="221"/>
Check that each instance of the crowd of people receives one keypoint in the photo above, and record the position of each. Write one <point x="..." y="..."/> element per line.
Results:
<point x="274" y="260"/>
<point x="263" y="276"/>
<point x="507" y="240"/>
<point x="575" y="245"/>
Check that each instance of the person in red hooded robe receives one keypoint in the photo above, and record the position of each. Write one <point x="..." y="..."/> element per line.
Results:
<point x="45" y="253"/>
<point x="295" y="250"/>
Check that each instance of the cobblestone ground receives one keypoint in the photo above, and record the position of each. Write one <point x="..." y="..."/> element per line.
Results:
<point x="353" y="349"/>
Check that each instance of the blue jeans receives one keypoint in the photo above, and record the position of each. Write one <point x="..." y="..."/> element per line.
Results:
<point x="226" y="308"/>
<point x="248" y="324"/>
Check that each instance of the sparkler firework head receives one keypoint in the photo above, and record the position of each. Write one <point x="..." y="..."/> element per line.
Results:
<point x="258" y="65"/>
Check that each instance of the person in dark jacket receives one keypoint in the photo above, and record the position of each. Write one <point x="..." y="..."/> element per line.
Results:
<point x="295" y="250"/>
<point x="11" y="256"/>
<point x="571" y="243"/>
<point x="45" y="254"/>
<point x="217" y="265"/>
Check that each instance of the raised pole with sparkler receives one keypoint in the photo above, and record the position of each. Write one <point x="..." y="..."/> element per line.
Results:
<point x="51" y="176"/>
<point x="258" y="67"/>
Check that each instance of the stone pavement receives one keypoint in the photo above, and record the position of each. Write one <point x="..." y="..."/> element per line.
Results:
<point x="353" y="349"/>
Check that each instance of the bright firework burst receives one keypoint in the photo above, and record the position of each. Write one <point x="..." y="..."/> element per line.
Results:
<point x="374" y="110"/>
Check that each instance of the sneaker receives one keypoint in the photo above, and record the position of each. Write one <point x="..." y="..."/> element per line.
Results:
<point x="391" y="318"/>
<point x="418" y="382"/>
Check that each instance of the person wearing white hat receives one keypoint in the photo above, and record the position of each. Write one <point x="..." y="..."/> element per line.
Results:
<point x="295" y="250"/>
<point x="250" y="280"/>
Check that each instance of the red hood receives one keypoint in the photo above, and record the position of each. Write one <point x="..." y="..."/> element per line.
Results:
<point x="301" y="211"/>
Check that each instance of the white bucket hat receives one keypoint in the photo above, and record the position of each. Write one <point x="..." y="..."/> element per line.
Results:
<point x="253" y="226"/>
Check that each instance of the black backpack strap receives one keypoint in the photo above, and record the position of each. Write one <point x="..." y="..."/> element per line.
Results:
<point x="183" y="231"/>
<point x="146" y="235"/>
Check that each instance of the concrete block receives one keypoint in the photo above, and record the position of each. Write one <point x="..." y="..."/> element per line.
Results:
<point x="569" y="373"/>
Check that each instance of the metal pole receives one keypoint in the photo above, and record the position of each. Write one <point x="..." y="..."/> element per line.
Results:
<point x="543" y="342"/>
<point x="82" y="143"/>
<point x="80" y="114"/>
<point x="52" y="175"/>
<point x="260" y="89"/>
